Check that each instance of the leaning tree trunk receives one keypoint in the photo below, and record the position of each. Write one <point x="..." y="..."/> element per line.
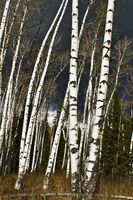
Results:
<point x="92" y="158"/>
<point x="122" y="55"/>
<point x="84" y="18"/>
<point x="73" y="124"/>
<point x="88" y="97"/>
<point x="10" y="82"/>
<point x="26" y="147"/>
<point x="29" y="94"/>
<point x="2" y="29"/>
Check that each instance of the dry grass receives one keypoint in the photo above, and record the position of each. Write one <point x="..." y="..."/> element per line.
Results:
<point x="33" y="185"/>
<point x="120" y="186"/>
<point x="58" y="183"/>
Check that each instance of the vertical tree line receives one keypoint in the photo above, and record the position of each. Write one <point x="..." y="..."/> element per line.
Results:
<point x="89" y="141"/>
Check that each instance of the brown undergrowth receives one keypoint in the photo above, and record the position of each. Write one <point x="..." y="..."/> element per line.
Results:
<point x="122" y="186"/>
<point x="33" y="186"/>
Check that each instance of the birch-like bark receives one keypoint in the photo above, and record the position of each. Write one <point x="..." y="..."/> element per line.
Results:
<point x="73" y="124"/>
<point x="68" y="165"/>
<point x="92" y="159"/>
<point x="28" y="99"/>
<point x="122" y="49"/>
<point x="4" y="115"/>
<point x="35" y="146"/>
<point x="84" y="18"/>
<point x="54" y="148"/>
<point x="2" y="29"/>
<point x="42" y="145"/>
<point x="10" y="30"/>
<point x="35" y="105"/>
<point x="56" y="140"/>
<point x="120" y="62"/>
<point x="65" y="148"/>
<point x="88" y="98"/>
<point x="3" y="21"/>
<point x="39" y="138"/>
<point x="34" y="110"/>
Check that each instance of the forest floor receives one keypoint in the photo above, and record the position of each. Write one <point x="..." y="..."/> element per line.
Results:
<point x="32" y="189"/>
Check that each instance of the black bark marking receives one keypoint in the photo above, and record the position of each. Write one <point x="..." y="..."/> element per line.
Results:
<point x="74" y="98"/>
<point x="72" y="57"/>
<point x="106" y="55"/>
<point x="101" y="107"/>
<point x="91" y="161"/>
<point x="73" y="129"/>
<point x="106" y="47"/>
<point x="73" y="50"/>
<point x="73" y="36"/>
<point x="109" y="42"/>
<point x="100" y="92"/>
<point x="100" y="100"/>
<point x="73" y="82"/>
<point x="74" y="14"/>
<point x="109" y="22"/>
<point x="74" y="150"/>
<point x="108" y="30"/>
<point x="104" y="82"/>
<point x="73" y="108"/>
<point x="73" y="104"/>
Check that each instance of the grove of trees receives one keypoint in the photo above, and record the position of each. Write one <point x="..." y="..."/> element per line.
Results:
<point x="90" y="81"/>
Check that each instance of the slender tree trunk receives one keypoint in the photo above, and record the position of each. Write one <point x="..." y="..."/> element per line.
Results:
<point x="4" y="116"/>
<point x="2" y="29"/>
<point x="73" y="124"/>
<point x="84" y="19"/>
<point x="92" y="158"/>
<point x="29" y="94"/>
<point x="35" y="105"/>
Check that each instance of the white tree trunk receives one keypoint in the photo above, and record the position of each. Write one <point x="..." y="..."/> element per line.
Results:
<point x="84" y="19"/>
<point x="73" y="124"/>
<point x="2" y="29"/>
<point x="4" y="115"/>
<point x="55" y="145"/>
<point x="92" y="159"/>
<point x="35" y="105"/>
<point x="29" y="94"/>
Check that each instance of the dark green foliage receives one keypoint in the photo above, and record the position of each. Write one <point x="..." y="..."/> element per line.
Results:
<point x="116" y="159"/>
<point x="16" y="145"/>
<point x="60" y="152"/>
<point x="46" y="145"/>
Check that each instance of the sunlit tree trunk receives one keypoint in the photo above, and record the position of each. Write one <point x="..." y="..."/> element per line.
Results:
<point x="29" y="94"/>
<point x="8" y="33"/>
<point x="26" y="147"/>
<point x="2" y="29"/>
<point x="122" y="50"/>
<point x="84" y="18"/>
<point x="10" y="82"/>
<point x="88" y="97"/>
<point x="73" y="124"/>
<point x="92" y="158"/>
<point x="65" y="148"/>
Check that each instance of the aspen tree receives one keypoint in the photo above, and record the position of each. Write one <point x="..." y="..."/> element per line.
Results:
<point x="92" y="158"/>
<point x="73" y="124"/>
<point x="54" y="149"/>
<point x="28" y="98"/>
<point x="7" y="100"/>
<point x="29" y="136"/>
<point x="2" y="29"/>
